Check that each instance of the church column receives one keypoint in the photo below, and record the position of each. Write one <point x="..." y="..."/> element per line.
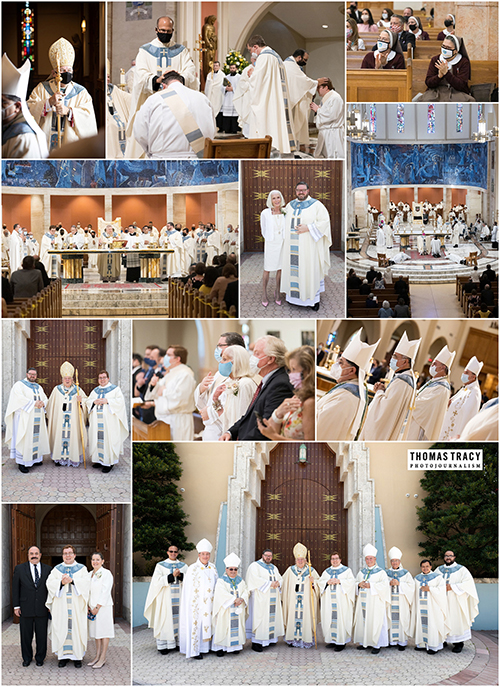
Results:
<point x="46" y="210"/>
<point x="415" y="194"/>
<point x="178" y="208"/>
<point x="446" y="202"/>
<point x="384" y="206"/>
<point x="220" y="217"/>
<point x="127" y="556"/>
<point x="189" y="23"/>
<point x="108" y="207"/>
<point x="118" y="335"/>
<point x="170" y="207"/>
<point x="38" y="226"/>
<point x="15" y="336"/>
<point x="232" y="214"/>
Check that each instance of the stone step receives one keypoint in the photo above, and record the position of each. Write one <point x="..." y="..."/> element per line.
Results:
<point x="137" y="311"/>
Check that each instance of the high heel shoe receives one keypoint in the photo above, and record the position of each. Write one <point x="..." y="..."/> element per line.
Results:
<point x="96" y="667"/>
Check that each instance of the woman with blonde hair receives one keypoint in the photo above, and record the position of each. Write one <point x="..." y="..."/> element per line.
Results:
<point x="272" y="228"/>
<point x="353" y="41"/>
<point x="293" y="420"/>
<point x="232" y="398"/>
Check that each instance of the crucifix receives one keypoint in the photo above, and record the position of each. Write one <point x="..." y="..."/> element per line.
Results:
<point x="200" y="49"/>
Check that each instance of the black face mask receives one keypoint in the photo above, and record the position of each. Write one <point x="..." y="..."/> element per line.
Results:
<point x="66" y="77"/>
<point x="448" y="23"/>
<point x="302" y="63"/>
<point x="164" y="37"/>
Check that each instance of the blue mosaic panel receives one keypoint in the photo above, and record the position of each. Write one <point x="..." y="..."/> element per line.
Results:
<point x="457" y="164"/>
<point x="117" y="173"/>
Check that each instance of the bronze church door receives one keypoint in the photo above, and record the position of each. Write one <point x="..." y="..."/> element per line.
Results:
<point x="51" y="342"/>
<point x="302" y="501"/>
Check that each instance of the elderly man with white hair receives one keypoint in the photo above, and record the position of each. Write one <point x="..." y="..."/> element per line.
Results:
<point x="465" y="403"/>
<point x="195" y="622"/>
<point x="373" y="604"/>
<point x="340" y="412"/>
<point x="230" y="609"/>
<point x="432" y="399"/>
<point x="392" y="406"/>
<point x="402" y="593"/>
<point x="268" y="361"/>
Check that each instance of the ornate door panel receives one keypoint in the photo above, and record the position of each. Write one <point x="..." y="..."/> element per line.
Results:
<point x="23" y="531"/>
<point x="302" y="502"/>
<point x="109" y="543"/>
<point x="80" y="342"/>
<point x="68" y="524"/>
<point x="260" y="177"/>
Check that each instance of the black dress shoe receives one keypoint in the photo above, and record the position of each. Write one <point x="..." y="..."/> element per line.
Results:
<point x="39" y="663"/>
<point x="361" y="647"/>
<point x="163" y="652"/>
<point x="420" y="648"/>
<point x="257" y="647"/>
<point x="23" y="469"/>
<point x="315" y="307"/>
<point x="457" y="648"/>
<point x="107" y="468"/>
<point x="338" y="647"/>
<point x="77" y="664"/>
<point x="375" y="651"/>
<point x="26" y="664"/>
<point x="96" y="465"/>
<point x="62" y="662"/>
<point x="198" y="658"/>
<point x="220" y="653"/>
<point x="401" y="648"/>
<point x="431" y="652"/>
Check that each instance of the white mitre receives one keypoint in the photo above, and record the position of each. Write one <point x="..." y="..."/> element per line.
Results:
<point x="204" y="546"/>
<point x="369" y="550"/>
<point x="395" y="553"/>
<point x="406" y="347"/>
<point x="474" y="366"/>
<point x="446" y="357"/>
<point x="232" y="561"/>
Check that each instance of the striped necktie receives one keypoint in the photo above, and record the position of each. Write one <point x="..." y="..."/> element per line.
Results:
<point x="37" y="576"/>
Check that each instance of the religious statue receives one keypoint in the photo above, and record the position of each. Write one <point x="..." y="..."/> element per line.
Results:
<point x="209" y="43"/>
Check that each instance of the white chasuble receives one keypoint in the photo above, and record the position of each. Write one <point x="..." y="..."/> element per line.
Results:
<point x="117" y="116"/>
<point x="464" y="406"/>
<point x="228" y="620"/>
<point x="108" y="424"/>
<point x="79" y="123"/>
<point x="330" y="124"/>
<point x="195" y="625"/>
<point x="174" y="401"/>
<point x="429" y="625"/>
<point x="301" y="90"/>
<point x="306" y="257"/>
<point x="68" y="607"/>
<point x="265" y="619"/>
<point x="402" y="596"/>
<point x="299" y="604"/>
<point x="337" y="604"/>
<point x="388" y="409"/>
<point x="26" y="432"/>
<point x="270" y="110"/>
<point x="340" y="412"/>
<point x="16" y="251"/>
<point x="163" y="603"/>
<point x="431" y="404"/>
<point x="242" y="102"/>
<point x="67" y="425"/>
<point x="461" y="601"/>
<point x="372" y="608"/>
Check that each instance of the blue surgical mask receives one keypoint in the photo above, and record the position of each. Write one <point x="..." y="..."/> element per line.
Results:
<point x="464" y="377"/>
<point x="226" y="368"/>
<point x="166" y="361"/>
<point x="393" y="364"/>
<point x="150" y="362"/>
<point x="218" y="354"/>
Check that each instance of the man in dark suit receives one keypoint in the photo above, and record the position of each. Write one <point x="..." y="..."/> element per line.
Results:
<point x="268" y="360"/>
<point x="29" y="593"/>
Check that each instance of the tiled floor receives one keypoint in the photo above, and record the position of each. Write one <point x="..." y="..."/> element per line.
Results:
<point x="116" y="671"/>
<point x="56" y="484"/>
<point x="332" y="300"/>
<point x="282" y="665"/>
<point x="435" y="300"/>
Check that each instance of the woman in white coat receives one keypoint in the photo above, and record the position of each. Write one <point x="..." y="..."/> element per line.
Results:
<point x="232" y="398"/>
<point x="101" y="627"/>
<point x="272" y="228"/>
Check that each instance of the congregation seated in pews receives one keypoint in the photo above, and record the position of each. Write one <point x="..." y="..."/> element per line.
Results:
<point x="377" y="295"/>
<point x="478" y="294"/>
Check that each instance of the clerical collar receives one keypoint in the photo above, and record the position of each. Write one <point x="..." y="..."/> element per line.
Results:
<point x="69" y="565"/>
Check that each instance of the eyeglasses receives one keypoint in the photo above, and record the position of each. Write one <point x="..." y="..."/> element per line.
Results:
<point x="233" y="569"/>
<point x="169" y="551"/>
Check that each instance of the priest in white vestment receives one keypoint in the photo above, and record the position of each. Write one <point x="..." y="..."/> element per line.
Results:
<point x="265" y="613"/>
<point x="429" y="624"/>
<point x="214" y="90"/>
<point x="67" y="415"/>
<point x="373" y="604"/>
<point x="270" y="109"/>
<point x="161" y="609"/>
<point x="117" y="116"/>
<point x="22" y="138"/>
<point x="16" y="249"/>
<point x="306" y="249"/>
<point x="301" y="90"/>
<point x="195" y="624"/>
<point x="108" y="423"/>
<point x="173" y="395"/>
<point x="230" y="609"/>
<point x="381" y="243"/>
<point x="212" y="244"/>
<point x="241" y="100"/>
<point x="465" y="404"/>
<point x="174" y="122"/>
<point x="390" y="407"/>
<point x="25" y="429"/>
<point x="68" y="587"/>
<point x="402" y="594"/>
<point x="461" y="601"/>
<point x="329" y="122"/>
<point x="67" y="102"/>
<point x="484" y="425"/>
<point x="154" y="60"/>
<point x="341" y="411"/>
<point x="300" y="601"/>
<point x="51" y="240"/>
<point x="204" y="392"/>
<point x="338" y="592"/>
<point x="432" y="398"/>
<point x="172" y="263"/>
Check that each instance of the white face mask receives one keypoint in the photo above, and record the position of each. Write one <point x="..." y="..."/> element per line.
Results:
<point x="254" y="364"/>
<point x="433" y="370"/>
<point x="254" y="56"/>
<point x="336" y="370"/>
<point x="384" y="15"/>
<point x="365" y="18"/>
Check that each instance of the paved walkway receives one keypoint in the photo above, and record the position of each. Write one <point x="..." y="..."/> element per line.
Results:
<point x="55" y="484"/>
<point x="116" y="671"/>
<point x="332" y="300"/>
<point x="282" y="665"/>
